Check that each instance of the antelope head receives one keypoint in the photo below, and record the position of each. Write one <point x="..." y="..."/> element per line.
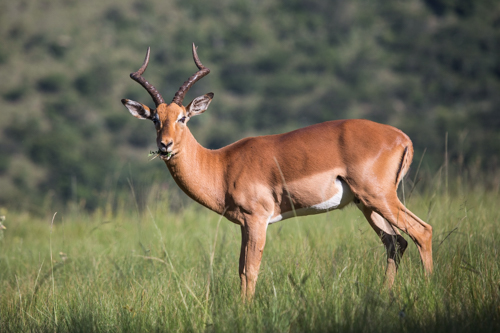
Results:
<point x="169" y="119"/>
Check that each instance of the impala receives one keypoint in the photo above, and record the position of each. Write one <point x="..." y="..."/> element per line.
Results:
<point x="262" y="180"/>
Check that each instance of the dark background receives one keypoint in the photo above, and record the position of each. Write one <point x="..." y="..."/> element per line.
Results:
<point x="430" y="68"/>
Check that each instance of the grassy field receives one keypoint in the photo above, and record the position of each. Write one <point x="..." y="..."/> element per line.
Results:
<point x="164" y="271"/>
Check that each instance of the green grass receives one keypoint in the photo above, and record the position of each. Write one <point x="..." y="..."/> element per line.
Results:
<point x="160" y="271"/>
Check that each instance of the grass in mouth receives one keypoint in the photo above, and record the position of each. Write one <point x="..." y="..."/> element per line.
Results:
<point x="155" y="154"/>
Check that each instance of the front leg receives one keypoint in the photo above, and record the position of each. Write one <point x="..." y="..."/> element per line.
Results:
<point x="253" y="240"/>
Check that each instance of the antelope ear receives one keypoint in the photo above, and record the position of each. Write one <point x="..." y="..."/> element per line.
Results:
<point x="137" y="109"/>
<point x="199" y="105"/>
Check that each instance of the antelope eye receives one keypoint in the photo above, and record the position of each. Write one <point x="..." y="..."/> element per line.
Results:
<point x="155" y="120"/>
<point x="182" y="120"/>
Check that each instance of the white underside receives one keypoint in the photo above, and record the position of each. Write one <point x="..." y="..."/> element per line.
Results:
<point x="343" y="196"/>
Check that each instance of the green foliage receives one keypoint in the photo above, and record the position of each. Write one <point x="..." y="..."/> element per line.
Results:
<point x="95" y="82"/>
<point x="52" y="83"/>
<point x="120" y="271"/>
<point x="428" y="67"/>
<point x="15" y="94"/>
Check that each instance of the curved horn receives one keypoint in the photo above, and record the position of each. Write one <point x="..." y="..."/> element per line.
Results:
<point x="137" y="76"/>
<point x="179" y="95"/>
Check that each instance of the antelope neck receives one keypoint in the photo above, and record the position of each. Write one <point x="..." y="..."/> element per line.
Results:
<point x="198" y="172"/>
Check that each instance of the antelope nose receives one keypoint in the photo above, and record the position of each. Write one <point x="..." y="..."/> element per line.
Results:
<point x="164" y="147"/>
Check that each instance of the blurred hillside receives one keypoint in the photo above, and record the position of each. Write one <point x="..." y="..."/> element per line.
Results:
<point x="428" y="67"/>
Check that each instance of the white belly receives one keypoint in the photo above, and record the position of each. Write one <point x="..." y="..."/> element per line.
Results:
<point x="343" y="196"/>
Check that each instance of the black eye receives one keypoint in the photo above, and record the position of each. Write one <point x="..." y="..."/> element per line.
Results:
<point x="182" y="120"/>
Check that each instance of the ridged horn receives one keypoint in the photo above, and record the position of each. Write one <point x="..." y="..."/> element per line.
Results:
<point x="203" y="71"/>
<point x="137" y="76"/>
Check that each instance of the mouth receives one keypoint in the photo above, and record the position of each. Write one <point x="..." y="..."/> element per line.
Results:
<point x="164" y="151"/>
<point x="163" y="155"/>
<point x="168" y="155"/>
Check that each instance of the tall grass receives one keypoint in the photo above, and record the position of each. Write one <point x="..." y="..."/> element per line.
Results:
<point x="162" y="271"/>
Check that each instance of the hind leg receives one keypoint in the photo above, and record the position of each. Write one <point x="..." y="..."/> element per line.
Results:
<point x="402" y="218"/>
<point x="394" y="243"/>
